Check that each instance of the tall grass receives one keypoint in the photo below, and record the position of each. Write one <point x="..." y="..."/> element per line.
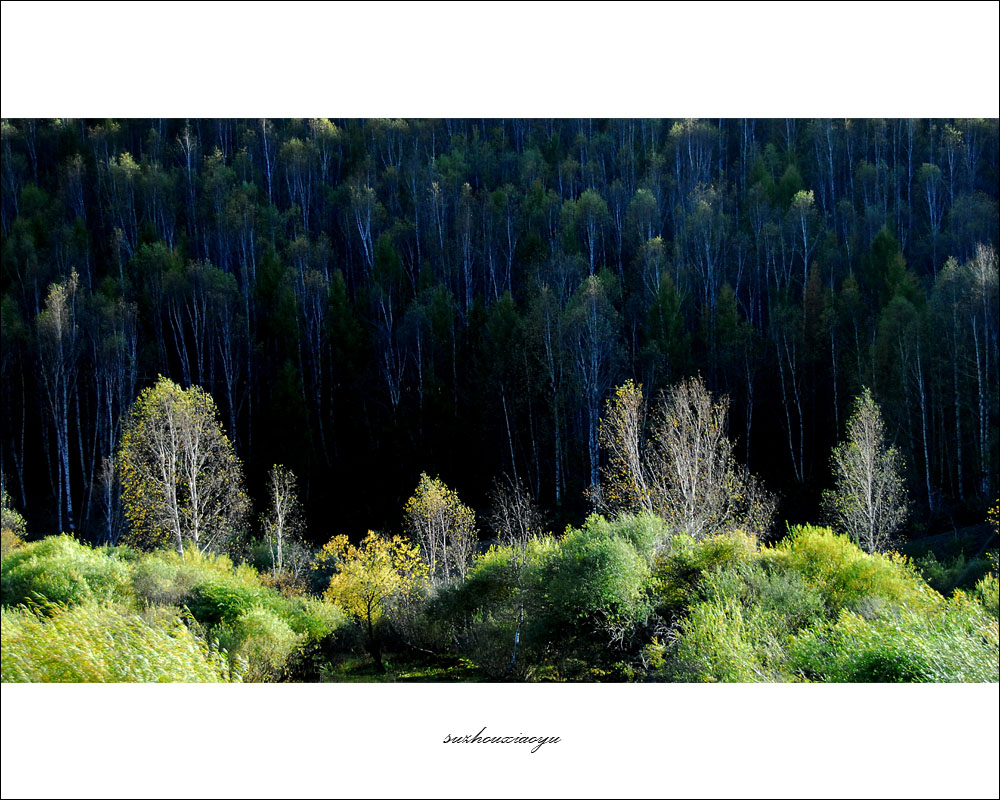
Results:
<point x="95" y="642"/>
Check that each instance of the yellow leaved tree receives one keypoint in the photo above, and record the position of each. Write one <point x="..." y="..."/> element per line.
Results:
<point x="371" y="579"/>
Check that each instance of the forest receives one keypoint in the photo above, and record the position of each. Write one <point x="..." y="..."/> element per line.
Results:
<point x="519" y="399"/>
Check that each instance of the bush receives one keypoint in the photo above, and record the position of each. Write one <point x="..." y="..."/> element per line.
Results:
<point x="223" y="598"/>
<point x="784" y="596"/>
<point x="93" y="642"/>
<point x="952" y="573"/>
<point x="165" y="577"/>
<point x="645" y="532"/>
<point x="12" y="524"/>
<point x="9" y="541"/>
<point x="957" y="641"/>
<point x="681" y="568"/>
<point x="259" y="642"/>
<point x="595" y="581"/>
<point x="13" y="528"/>
<point x="314" y="619"/>
<point x="846" y="576"/>
<point x="479" y="614"/>
<point x="60" y="570"/>
<point x="489" y="643"/>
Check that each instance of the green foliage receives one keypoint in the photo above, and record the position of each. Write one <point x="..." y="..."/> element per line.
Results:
<point x="223" y="599"/>
<point x="987" y="592"/>
<point x="846" y="576"/>
<point x="595" y="580"/>
<point x="13" y="528"/>
<point x="722" y="640"/>
<point x="680" y="570"/>
<point x="954" y="572"/>
<point x="310" y="617"/>
<point x="95" y="642"/>
<point x="165" y="577"/>
<point x="644" y="532"/>
<point x="814" y="607"/>
<point x="955" y="641"/>
<point x="217" y="592"/>
<point x="260" y="641"/>
<point x="58" y="569"/>
<point x="565" y="600"/>
<point x="784" y="595"/>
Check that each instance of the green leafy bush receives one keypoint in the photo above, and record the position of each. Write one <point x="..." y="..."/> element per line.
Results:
<point x="260" y="642"/>
<point x="784" y="596"/>
<point x="986" y="592"/>
<point x="645" y="532"/>
<point x="481" y="613"/>
<point x="681" y="568"/>
<point x="60" y="570"/>
<point x="223" y="598"/>
<point x="489" y="642"/>
<point x="595" y="581"/>
<point x="94" y="642"/>
<point x="310" y="617"/>
<point x="952" y="573"/>
<point x="13" y="528"/>
<point x="846" y="576"/>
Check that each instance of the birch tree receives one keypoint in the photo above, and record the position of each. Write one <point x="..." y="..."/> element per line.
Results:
<point x="282" y="521"/>
<point x="443" y="527"/>
<point x="869" y="499"/>
<point x="59" y="357"/>
<point x="683" y="469"/>
<point x="181" y="480"/>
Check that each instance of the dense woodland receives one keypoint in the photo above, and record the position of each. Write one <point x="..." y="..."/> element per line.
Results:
<point x="499" y="399"/>
<point x="367" y="300"/>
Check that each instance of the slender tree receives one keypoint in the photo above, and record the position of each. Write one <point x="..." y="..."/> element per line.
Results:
<point x="869" y="499"/>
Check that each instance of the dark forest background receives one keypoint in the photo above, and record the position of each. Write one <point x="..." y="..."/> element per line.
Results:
<point x="367" y="300"/>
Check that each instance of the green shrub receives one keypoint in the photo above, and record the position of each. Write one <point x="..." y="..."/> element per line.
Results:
<point x="956" y="641"/>
<point x="13" y="528"/>
<point x="681" y="568"/>
<point x="12" y="524"/>
<point x="645" y="532"/>
<point x="595" y="580"/>
<point x="93" y="642"/>
<point x="480" y="614"/>
<point x="311" y="617"/>
<point x="60" y="570"/>
<point x="952" y="573"/>
<point x="260" y="642"/>
<point x="165" y="577"/>
<point x="741" y="613"/>
<point x="783" y="595"/>
<point x="846" y="576"/>
<point x="492" y="581"/>
<point x="223" y="598"/>
<point x="9" y="541"/>
<point x="489" y="643"/>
